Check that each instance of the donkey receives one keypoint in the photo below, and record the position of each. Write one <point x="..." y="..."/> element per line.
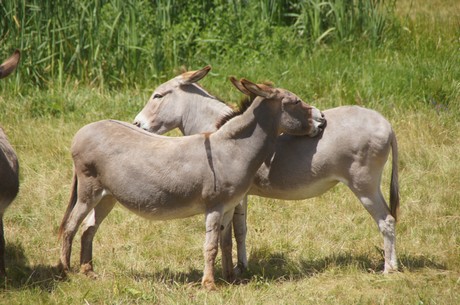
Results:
<point x="9" y="166"/>
<point x="163" y="178"/>
<point x="353" y="149"/>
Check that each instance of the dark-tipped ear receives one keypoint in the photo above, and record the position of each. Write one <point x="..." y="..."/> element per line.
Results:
<point x="263" y="91"/>
<point x="194" y="76"/>
<point x="238" y="85"/>
<point x="10" y="64"/>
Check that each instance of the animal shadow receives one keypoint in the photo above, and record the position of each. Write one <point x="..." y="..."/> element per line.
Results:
<point x="168" y="276"/>
<point x="269" y="266"/>
<point x="273" y="266"/>
<point x="412" y="263"/>
<point x="276" y="266"/>
<point x="21" y="275"/>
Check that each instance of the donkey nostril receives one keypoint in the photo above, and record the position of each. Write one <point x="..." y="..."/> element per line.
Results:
<point x="323" y="122"/>
<point x="137" y="123"/>
<point x="323" y="119"/>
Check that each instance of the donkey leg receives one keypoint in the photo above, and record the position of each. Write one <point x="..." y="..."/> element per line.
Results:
<point x="240" y="232"/>
<point x="2" y="249"/>
<point x="226" y="247"/>
<point x="375" y="204"/>
<point x="79" y="212"/>
<point x="213" y="223"/>
<point x="90" y="226"/>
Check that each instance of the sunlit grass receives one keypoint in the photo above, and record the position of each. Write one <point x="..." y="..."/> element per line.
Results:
<point x="322" y="250"/>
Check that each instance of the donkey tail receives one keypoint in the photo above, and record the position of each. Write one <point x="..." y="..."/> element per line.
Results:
<point x="394" y="184"/>
<point x="70" y="206"/>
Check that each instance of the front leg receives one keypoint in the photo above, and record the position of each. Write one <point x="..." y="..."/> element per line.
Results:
<point x="2" y="250"/>
<point x="240" y="228"/>
<point x="213" y="223"/>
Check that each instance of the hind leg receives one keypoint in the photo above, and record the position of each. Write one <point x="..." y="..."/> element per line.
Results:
<point x="226" y="247"/>
<point x="85" y="203"/>
<point x="376" y="205"/>
<point x="90" y="225"/>
<point x="240" y="232"/>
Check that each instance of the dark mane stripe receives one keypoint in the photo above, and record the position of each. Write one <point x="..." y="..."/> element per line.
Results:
<point x="243" y="105"/>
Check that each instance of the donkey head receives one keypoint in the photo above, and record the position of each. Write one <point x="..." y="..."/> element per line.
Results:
<point x="165" y="108"/>
<point x="297" y="117"/>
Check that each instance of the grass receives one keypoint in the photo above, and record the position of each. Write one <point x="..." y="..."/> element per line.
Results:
<point x="328" y="251"/>
<point x="324" y="250"/>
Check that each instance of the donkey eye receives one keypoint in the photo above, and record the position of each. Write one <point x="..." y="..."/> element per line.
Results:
<point x="296" y="102"/>
<point x="157" y="95"/>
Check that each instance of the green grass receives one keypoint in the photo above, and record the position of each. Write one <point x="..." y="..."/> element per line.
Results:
<point x="325" y="250"/>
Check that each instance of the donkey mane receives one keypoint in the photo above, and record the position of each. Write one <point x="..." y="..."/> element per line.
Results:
<point x="243" y="105"/>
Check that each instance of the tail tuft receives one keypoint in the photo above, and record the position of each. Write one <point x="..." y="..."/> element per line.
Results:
<point x="394" y="184"/>
<point x="70" y="206"/>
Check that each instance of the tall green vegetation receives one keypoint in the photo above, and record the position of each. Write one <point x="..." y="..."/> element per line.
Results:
<point x="120" y="42"/>
<point x="320" y="21"/>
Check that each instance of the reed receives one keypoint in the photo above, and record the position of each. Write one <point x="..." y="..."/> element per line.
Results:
<point x="326" y="21"/>
<point x="118" y="43"/>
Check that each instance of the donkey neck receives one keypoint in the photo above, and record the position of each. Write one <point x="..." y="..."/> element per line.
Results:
<point x="200" y="114"/>
<point x="256" y="130"/>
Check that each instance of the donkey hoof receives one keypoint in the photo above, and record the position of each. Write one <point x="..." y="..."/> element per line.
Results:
<point x="87" y="270"/>
<point x="239" y="269"/>
<point x="209" y="285"/>
<point x="390" y="271"/>
<point x="61" y="268"/>
<point x="230" y="278"/>
<point x="390" y="268"/>
<point x="229" y="275"/>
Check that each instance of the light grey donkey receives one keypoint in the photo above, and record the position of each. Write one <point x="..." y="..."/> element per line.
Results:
<point x="353" y="150"/>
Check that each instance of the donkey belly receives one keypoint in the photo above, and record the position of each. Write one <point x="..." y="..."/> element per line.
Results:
<point x="154" y="200"/>
<point x="296" y="191"/>
<point x="163" y="209"/>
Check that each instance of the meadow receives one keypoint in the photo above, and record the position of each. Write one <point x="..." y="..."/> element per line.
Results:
<point x="324" y="250"/>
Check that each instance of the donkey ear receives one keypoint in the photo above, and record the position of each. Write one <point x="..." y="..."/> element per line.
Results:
<point x="263" y="91"/>
<point x="239" y="85"/>
<point x="10" y="64"/>
<point x="194" y="76"/>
